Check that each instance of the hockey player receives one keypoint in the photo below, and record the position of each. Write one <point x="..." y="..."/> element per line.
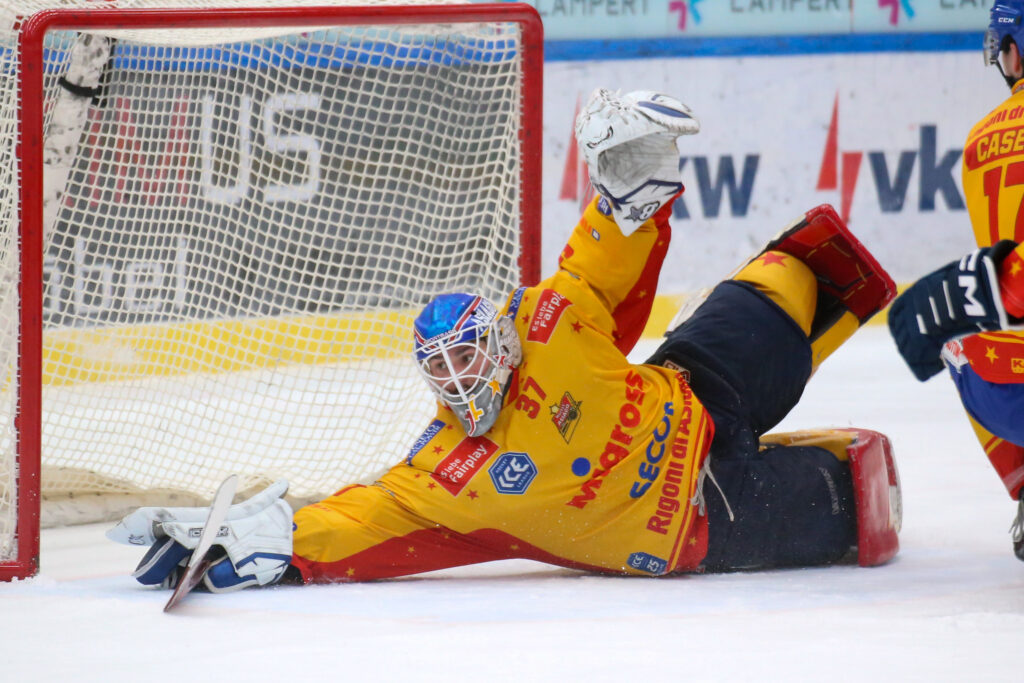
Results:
<point x="975" y="302"/>
<point x="549" y="445"/>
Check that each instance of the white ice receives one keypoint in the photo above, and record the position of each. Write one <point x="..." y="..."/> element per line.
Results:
<point x="949" y="607"/>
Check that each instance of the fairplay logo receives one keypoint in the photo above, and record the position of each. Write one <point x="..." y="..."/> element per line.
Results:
<point x="894" y="9"/>
<point x="685" y="9"/>
<point x="936" y="174"/>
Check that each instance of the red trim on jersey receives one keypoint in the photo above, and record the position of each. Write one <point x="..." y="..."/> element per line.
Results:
<point x="428" y="550"/>
<point x="691" y="544"/>
<point x="1008" y="460"/>
<point x="632" y="312"/>
<point x="1011" y="283"/>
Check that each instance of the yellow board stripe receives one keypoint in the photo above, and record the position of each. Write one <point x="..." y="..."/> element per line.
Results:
<point x="73" y="356"/>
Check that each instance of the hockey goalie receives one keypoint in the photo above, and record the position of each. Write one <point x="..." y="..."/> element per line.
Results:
<point x="548" y="444"/>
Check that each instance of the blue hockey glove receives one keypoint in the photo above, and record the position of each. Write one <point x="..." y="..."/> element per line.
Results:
<point x="956" y="300"/>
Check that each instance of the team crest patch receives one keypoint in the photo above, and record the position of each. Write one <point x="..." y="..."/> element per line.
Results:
<point x="462" y="464"/>
<point x="549" y="311"/>
<point x="512" y="473"/>
<point x="566" y="415"/>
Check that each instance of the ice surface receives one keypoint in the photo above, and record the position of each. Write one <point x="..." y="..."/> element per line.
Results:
<point x="949" y="607"/>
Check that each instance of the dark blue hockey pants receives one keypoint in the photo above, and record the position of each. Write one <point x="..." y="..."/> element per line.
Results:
<point x="748" y="363"/>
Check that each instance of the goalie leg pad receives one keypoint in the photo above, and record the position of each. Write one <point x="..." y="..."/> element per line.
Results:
<point x="876" y="485"/>
<point x="851" y="285"/>
<point x="258" y="545"/>
<point x="256" y="537"/>
<point x="162" y="564"/>
<point x="788" y="282"/>
<point x="845" y="269"/>
<point x="876" y="488"/>
<point x="259" y="569"/>
<point x="793" y="506"/>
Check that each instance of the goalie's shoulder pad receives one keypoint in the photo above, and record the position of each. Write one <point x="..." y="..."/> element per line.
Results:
<point x="609" y="120"/>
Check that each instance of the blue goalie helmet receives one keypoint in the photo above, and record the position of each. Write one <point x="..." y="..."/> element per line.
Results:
<point x="1006" y="23"/>
<point x="466" y="352"/>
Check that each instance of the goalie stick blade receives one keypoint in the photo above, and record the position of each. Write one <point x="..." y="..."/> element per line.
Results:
<point x="199" y="562"/>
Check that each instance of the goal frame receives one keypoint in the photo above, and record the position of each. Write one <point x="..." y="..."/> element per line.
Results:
<point x="30" y="166"/>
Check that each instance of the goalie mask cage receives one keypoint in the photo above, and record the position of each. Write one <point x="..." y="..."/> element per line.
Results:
<point x="218" y="224"/>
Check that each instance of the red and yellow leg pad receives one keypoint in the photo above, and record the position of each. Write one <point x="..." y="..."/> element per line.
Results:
<point x="876" y="485"/>
<point x="845" y="288"/>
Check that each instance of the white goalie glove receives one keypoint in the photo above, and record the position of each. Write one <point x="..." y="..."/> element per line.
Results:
<point x="256" y="538"/>
<point x="629" y="145"/>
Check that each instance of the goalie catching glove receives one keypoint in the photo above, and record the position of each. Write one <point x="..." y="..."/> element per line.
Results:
<point x="957" y="300"/>
<point x="629" y="145"/>
<point x="256" y="539"/>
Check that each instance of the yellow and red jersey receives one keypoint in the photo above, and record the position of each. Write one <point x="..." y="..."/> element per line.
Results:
<point x="993" y="179"/>
<point x="592" y="463"/>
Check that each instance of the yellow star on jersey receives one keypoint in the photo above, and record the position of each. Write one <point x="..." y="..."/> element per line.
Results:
<point x="990" y="353"/>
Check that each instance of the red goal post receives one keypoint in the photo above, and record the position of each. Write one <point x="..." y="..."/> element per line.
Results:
<point x="222" y="278"/>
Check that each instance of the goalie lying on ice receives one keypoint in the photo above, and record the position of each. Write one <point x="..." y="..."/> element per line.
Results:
<point x="549" y="445"/>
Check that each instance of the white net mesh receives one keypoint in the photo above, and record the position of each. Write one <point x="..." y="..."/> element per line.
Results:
<point x="238" y="235"/>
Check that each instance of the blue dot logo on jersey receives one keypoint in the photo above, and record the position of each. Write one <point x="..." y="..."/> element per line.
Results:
<point x="512" y="473"/>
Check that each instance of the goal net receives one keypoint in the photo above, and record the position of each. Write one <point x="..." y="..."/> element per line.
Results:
<point x="218" y="221"/>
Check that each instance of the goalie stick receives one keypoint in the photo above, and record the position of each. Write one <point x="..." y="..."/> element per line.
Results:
<point x="199" y="562"/>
